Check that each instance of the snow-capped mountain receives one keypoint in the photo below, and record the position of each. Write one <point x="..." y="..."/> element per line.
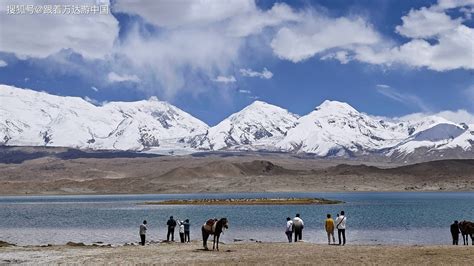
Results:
<point x="31" y="118"/>
<point x="258" y="126"/>
<point x="335" y="128"/>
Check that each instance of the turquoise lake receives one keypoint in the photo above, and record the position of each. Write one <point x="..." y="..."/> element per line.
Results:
<point x="372" y="218"/>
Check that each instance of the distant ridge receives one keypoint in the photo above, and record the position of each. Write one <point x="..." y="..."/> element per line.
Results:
<point x="332" y="129"/>
<point x="51" y="175"/>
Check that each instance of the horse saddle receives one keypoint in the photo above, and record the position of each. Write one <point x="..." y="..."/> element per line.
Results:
<point x="210" y="225"/>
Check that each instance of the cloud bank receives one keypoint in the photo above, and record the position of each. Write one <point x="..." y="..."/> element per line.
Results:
<point x="175" y="46"/>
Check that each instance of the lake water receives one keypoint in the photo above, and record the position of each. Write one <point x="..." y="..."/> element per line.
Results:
<point x="372" y="218"/>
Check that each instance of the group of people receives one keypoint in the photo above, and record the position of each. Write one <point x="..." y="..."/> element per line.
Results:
<point x="295" y="226"/>
<point x="184" y="230"/>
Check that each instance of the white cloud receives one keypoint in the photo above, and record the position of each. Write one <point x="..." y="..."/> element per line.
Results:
<point x="437" y="40"/>
<point x="453" y="50"/>
<point x="240" y="17"/>
<point x="341" y="56"/>
<point x="42" y="35"/>
<point x="94" y="89"/>
<point x="449" y="4"/>
<point x="114" y="77"/>
<point x="245" y="91"/>
<point x="255" y="20"/>
<point x="426" y="23"/>
<point x="3" y="63"/>
<point x="265" y="74"/>
<point x="197" y="39"/>
<point x="467" y="12"/>
<point x="317" y="34"/>
<point x="224" y="79"/>
<point x="405" y="98"/>
<point x="173" y="14"/>
<point x="172" y="58"/>
<point x="459" y="116"/>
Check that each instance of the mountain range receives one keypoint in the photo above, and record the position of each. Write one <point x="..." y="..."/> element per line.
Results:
<point x="332" y="129"/>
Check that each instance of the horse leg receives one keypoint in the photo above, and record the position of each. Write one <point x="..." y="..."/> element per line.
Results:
<point x="217" y="247"/>
<point x="205" y="236"/>
<point x="214" y="243"/>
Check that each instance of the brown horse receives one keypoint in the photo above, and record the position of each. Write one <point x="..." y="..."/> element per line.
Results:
<point x="467" y="229"/>
<point x="215" y="229"/>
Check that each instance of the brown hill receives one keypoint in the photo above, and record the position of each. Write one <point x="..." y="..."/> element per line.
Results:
<point x="228" y="169"/>
<point x="249" y="173"/>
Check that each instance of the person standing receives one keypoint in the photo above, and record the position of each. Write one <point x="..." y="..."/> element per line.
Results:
<point x="143" y="229"/>
<point x="289" y="229"/>
<point x="187" y="228"/>
<point x="329" y="225"/>
<point x="455" y="232"/>
<point x="341" y="228"/>
<point x="181" y="231"/>
<point x="298" y="225"/>
<point x="171" y="225"/>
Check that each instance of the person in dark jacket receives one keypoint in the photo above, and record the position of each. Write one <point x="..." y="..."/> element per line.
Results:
<point x="143" y="229"/>
<point x="455" y="232"/>
<point x="171" y="225"/>
<point x="187" y="226"/>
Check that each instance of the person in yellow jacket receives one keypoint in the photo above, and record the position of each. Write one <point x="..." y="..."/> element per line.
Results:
<point x="329" y="224"/>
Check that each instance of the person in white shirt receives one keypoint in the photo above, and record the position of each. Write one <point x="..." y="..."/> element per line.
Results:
<point x="142" y="232"/>
<point x="298" y="226"/>
<point x="341" y="228"/>
<point x="181" y="231"/>
<point x="289" y="229"/>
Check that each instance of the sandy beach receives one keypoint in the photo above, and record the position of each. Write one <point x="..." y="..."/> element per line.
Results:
<point x="241" y="253"/>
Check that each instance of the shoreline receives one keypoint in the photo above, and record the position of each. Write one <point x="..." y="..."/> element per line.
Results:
<point x="231" y="192"/>
<point x="240" y="253"/>
<point x="160" y="243"/>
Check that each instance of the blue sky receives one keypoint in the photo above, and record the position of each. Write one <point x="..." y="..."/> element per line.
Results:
<point x="387" y="58"/>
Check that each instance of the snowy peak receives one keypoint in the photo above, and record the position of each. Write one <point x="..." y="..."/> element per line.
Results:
<point x="335" y="107"/>
<point x="439" y="136"/>
<point x="336" y="128"/>
<point x="164" y="115"/>
<point x="32" y="118"/>
<point x="257" y="126"/>
<point x="39" y="119"/>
